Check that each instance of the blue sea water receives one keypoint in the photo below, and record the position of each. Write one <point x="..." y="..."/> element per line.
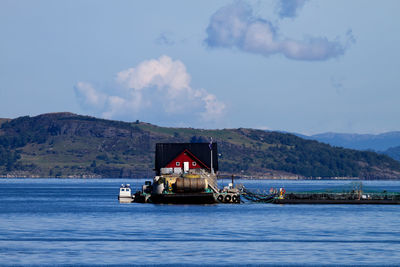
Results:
<point x="81" y="222"/>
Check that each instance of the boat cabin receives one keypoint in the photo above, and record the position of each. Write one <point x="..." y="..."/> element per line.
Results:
<point x="125" y="191"/>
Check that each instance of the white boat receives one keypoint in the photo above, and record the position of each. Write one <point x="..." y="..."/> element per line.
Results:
<point x="125" y="194"/>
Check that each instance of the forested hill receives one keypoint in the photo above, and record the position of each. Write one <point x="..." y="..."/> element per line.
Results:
<point x="70" y="145"/>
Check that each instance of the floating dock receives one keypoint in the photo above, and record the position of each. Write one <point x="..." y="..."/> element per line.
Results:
<point x="355" y="195"/>
<point x="298" y="198"/>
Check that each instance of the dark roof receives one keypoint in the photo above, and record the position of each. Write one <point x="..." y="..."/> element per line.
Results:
<point x="166" y="152"/>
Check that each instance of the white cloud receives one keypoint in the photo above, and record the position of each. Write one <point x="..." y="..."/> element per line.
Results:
<point x="235" y="26"/>
<point x="212" y="106"/>
<point x="157" y="89"/>
<point x="88" y="96"/>
<point x="164" y="73"/>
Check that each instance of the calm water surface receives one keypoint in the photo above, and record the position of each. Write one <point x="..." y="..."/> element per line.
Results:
<point x="73" y="221"/>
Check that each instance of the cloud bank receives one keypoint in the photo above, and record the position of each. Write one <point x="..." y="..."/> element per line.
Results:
<point x="156" y="90"/>
<point x="235" y="26"/>
<point x="289" y="8"/>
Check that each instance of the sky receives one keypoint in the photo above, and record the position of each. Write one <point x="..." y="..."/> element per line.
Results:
<point x="302" y="66"/>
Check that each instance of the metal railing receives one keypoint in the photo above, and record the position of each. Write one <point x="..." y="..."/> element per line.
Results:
<point x="211" y="180"/>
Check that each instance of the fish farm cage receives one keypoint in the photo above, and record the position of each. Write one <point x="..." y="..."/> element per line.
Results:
<point x="352" y="193"/>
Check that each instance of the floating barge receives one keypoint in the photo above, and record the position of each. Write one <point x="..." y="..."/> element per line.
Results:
<point x="186" y="173"/>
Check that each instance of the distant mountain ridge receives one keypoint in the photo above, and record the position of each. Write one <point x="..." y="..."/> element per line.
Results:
<point x="385" y="143"/>
<point x="71" y="145"/>
<point x="376" y="142"/>
<point x="393" y="152"/>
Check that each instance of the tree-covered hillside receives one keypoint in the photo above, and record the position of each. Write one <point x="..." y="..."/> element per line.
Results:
<point x="69" y="145"/>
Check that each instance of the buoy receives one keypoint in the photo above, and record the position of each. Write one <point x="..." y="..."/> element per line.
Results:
<point x="282" y="192"/>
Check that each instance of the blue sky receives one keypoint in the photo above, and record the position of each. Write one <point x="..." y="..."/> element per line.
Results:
<point x="303" y="66"/>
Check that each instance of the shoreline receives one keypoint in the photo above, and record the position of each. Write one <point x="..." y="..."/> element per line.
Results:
<point x="224" y="178"/>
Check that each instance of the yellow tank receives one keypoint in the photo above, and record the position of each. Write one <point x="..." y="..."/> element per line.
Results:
<point x="189" y="185"/>
<point x="191" y="175"/>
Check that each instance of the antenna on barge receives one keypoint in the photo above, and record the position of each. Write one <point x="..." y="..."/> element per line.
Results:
<point x="211" y="153"/>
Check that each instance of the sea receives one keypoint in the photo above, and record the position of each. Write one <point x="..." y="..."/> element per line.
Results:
<point x="80" y="222"/>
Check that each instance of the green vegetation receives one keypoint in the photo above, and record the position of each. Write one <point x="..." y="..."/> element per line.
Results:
<point x="69" y="145"/>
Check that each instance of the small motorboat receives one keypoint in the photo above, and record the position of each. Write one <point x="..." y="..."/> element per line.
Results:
<point x="125" y="194"/>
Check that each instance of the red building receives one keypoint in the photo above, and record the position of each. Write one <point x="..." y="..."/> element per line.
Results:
<point x="186" y="160"/>
<point x="186" y="157"/>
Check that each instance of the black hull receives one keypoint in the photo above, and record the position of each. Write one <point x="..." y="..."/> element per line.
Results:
<point x="184" y="198"/>
<point x="338" y="201"/>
